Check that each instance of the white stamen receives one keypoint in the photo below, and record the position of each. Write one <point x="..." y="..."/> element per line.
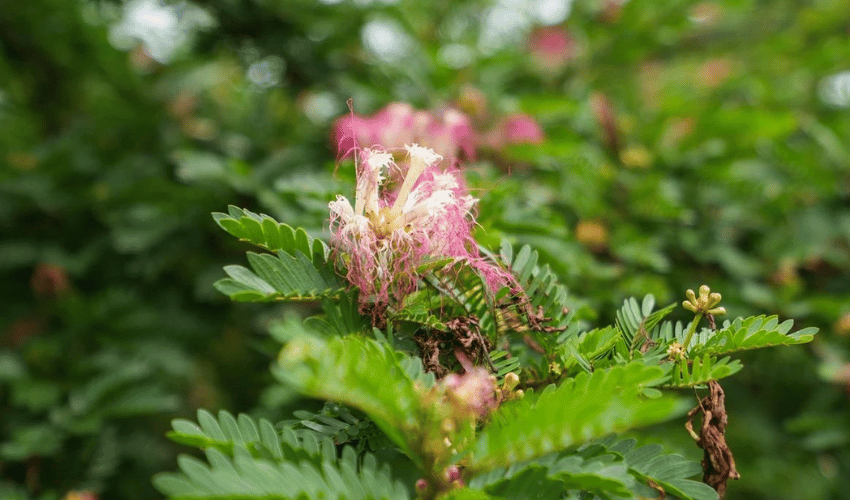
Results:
<point x="420" y="159"/>
<point x="370" y="179"/>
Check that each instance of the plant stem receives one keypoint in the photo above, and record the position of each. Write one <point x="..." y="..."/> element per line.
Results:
<point x="691" y="331"/>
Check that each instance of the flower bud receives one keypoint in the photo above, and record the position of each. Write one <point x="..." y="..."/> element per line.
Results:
<point x="675" y="351"/>
<point x="713" y="299"/>
<point x="511" y="381"/>
<point x="452" y="474"/>
<point x="421" y="485"/>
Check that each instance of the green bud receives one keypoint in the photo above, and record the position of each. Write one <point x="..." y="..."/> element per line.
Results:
<point x="714" y="299"/>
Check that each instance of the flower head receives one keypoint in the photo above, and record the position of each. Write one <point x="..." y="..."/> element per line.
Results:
<point x="387" y="235"/>
<point x="472" y="393"/>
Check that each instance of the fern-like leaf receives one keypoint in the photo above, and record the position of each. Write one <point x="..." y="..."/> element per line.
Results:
<point x="261" y="438"/>
<point x="751" y="333"/>
<point x="582" y="408"/>
<point x="341" y="317"/>
<point x="539" y="283"/>
<point x="503" y="364"/>
<point x="586" y="348"/>
<point x="337" y="423"/>
<point x="671" y="473"/>
<point x="653" y="469"/>
<point x="271" y="235"/>
<point x="361" y="373"/>
<point x="279" y="278"/>
<point x="552" y="475"/>
<point x="246" y="477"/>
<point x="699" y="371"/>
<point x="299" y="272"/>
<point x="637" y="322"/>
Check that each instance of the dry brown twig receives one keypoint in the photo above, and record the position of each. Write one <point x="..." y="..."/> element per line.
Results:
<point x="718" y="464"/>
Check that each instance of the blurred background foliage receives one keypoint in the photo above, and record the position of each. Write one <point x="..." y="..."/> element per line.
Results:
<point x="685" y="143"/>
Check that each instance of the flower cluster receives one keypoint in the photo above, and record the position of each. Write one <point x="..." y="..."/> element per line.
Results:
<point x="450" y="132"/>
<point x="386" y="236"/>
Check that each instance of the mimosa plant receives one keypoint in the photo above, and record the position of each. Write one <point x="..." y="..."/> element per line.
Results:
<point x="471" y="365"/>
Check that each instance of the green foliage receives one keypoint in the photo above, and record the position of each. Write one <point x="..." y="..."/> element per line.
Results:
<point x="670" y="473"/>
<point x="503" y="365"/>
<point x="551" y="480"/>
<point x="241" y="474"/>
<point x="580" y="409"/>
<point x="637" y="323"/>
<point x="299" y="272"/>
<point x="684" y="143"/>
<point x="340" y="316"/>
<point x="540" y="286"/>
<point x="270" y="235"/>
<point x="361" y="373"/>
<point x="607" y="468"/>
<point x="610" y="393"/>
<point x="751" y="333"/>
<point x="341" y="425"/>
<point x="228" y="432"/>
<point x="699" y="371"/>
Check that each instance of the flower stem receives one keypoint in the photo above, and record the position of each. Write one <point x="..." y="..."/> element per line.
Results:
<point x="691" y="332"/>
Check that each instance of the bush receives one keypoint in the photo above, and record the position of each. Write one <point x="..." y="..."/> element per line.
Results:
<point x="637" y="149"/>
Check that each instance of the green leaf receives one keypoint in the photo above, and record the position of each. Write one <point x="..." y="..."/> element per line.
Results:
<point x="669" y="472"/>
<point x="551" y="476"/>
<point x="267" y="233"/>
<point x="245" y="476"/>
<point x="637" y="322"/>
<point x="700" y="371"/>
<point x="649" y="465"/>
<point x="228" y="432"/>
<point x="279" y="278"/>
<point x="580" y="409"/>
<point x="299" y="272"/>
<point x="358" y="372"/>
<point x="503" y="364"/>
<point x="751" y="333"/>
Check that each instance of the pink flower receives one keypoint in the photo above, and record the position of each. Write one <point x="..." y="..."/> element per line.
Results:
<point x="385" y="237"/>
<point x="473" y="393"/>
<point x="520" y="128"/>
<point x="552" y="47"/>
<point x="450" y="132"/>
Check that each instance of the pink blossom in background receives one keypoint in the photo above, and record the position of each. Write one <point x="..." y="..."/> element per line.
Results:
<point x="552" y="47"/>
<point x="449" y="132"/>
<point x="513" y="129"/>
<point x="386" y="236"/>
<point x="519" y="129"/>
